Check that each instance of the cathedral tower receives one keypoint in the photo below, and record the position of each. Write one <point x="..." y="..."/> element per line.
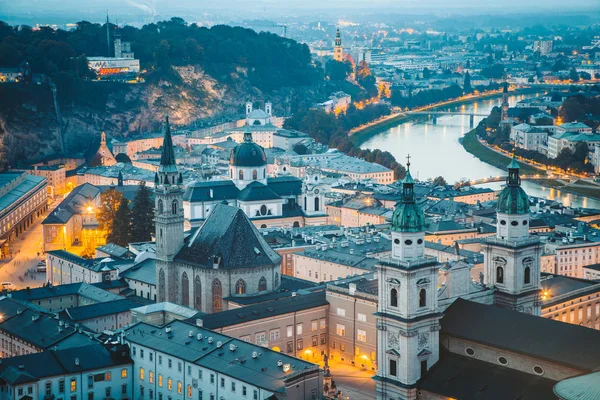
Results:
<point x="512" y="257"/>
<point x="338" y="52"/>
<point x="168" y="216"/>
<point x="313" y="193"/>
<point x="407" y="312"/>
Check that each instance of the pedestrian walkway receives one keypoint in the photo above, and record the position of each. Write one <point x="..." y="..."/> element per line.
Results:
<point x="354" y="384"/>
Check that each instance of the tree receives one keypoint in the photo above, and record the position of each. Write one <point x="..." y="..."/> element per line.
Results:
<point x="121" y="229"/>
<point x="300" y="148"/>
<point x="573" y="75"/>
<point x="142" y="214"/>
<point x="439" y="181"/>
<point x="337" y="71"/>
<point x="495" y="71"/>
<point x="585" y="76"/>
<point x="107" y="213"/>
<point x="467" y="85"/>
<point x="559" y="65"/>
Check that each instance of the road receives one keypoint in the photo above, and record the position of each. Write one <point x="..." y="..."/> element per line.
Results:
<point x="354" y="384"/>
<point x="20" y="269"/>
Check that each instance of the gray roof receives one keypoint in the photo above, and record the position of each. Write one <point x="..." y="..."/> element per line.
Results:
<point x="256" y="191"/>
<point x="182" y="342"/>
<point x="267" y="309"/>
<point x="458" y="377"/>
<point x="229" y="235"/>
<point x="211" y="190"/>
<point x="84" y="313"/>
<point x="83" y="289"/>
<point x="31" y="367"/>
<point x="19" y="190"/>
<point x="522" y="333"/>
<point x="36" y="328"/>
<point x="144" y="271"/>
<point x="79" y="198"/>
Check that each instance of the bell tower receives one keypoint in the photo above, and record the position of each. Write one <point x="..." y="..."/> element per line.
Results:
<point x="338" y="50"/>
<point x="168" y="217"/>
<point x="407" y="313"/>
<point x="313" y="193"/>
<point x="512" y="257"/>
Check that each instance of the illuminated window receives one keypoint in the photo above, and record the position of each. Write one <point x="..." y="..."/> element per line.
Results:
<point x="189" y="391"/>
<point x="124" y="373"/>
<point x="151" y="377"/>
<point x="160" y="383"/>
<point x="73" y="385"/>
<point x="142" y="373"/>
<point x="170" y="384"/>
<point x="179" y="387"/>
<point x="107" y="376"/>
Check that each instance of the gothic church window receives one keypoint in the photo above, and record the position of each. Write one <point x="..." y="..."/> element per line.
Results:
<point x="217" y="296"/>
<point x="527" y="277"/>
<point x="240" y="287"/>
<point x="197" y="293"/>
<point x="262" y="284"/>
<point x="185" y="290"/>
<point x="174" y="207"/>
<point x="160" y="207"/>
<point x="254" y="175"/>
<point x="316" y="204"/>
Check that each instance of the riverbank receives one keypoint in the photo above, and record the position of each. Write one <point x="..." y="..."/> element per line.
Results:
<point x="361" y="135"/>
<point x="472" y="145"/>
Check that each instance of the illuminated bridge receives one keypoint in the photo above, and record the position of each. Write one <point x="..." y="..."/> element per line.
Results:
<point x="435" y="114"/>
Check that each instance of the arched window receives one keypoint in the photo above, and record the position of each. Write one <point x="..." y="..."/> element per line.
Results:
<point x="241" y="175"/>
<point x="263" y="210"/>
<point x="422" y="298"/>
<point x="174" y="207"/>
<point x="305" y="203"/>
<point x="276" y="281"/>
<point x="499" y="275"/>
<point x="394" y="297"/>
<point x="197" y="293"/>
<point x="185" y="290"/>
<point x="527" y="277"/>
<point x="217" y="296"/>
<point x="240" y="287"/>
<point x="296" y="224"/>
<point x="161" y="207"/>
<point x="161" y="285"/>
<point x="262" y="284"/>
<point x="316" y="204"/>
<point x="254" y="174"/>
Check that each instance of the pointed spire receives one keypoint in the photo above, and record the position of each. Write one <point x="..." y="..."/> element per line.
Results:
<point x="167" y="157"/>
<point x="408" y="184"/>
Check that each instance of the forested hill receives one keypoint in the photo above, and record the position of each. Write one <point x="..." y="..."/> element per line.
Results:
<point x="190" y="71"/>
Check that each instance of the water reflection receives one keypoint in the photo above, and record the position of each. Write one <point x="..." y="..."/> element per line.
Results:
<point x="436" y="150"/>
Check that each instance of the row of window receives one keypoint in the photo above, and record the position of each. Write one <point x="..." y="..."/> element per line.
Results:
<point x="538" y="370"/>
<point x="394" y="298"/>
<point x="526" y="275"/>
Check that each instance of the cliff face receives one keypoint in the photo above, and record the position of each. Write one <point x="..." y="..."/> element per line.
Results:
<point x="29" y="127"/>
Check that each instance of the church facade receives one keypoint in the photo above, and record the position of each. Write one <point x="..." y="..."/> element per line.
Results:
<point x="226" y="257"/>
<point x="284" y="201"/>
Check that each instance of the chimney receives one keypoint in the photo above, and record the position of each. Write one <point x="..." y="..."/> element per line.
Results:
<point x="77" y="361"/>
<point x="191" y="333"/>
<point x="199" y="322"/>
<point x="199" y="336"/>
<point x="293" y="294"/>
<point x="232" y="347"/>
<point x="254" y="354"/>
<point x="216" y="262"/>
<point x="168" y="329"/>
<point x="219" y="344"/>
<point x="210" y="339"/>
<point x="35" y="317"/>
<point x="352" y="288"/>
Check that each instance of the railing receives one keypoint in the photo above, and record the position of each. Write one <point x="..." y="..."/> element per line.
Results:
<point x="508" y="242"/>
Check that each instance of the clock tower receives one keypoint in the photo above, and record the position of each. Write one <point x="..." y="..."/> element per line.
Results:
<point x="407" y="312"/>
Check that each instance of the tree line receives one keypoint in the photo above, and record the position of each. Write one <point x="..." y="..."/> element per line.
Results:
<point x="332" y="130"/>
<point x="123" y="222"/>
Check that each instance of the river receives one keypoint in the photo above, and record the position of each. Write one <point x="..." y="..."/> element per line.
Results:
<point x="435" y="150"/>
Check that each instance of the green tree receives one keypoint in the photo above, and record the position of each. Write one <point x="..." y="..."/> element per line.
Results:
<point x="121" y="229"/>
<point x="300" y="148"/>
<point x="337" y="71"/>
<point x="107" y="213"/>
<point x="439" y="181"/>
<point x="467" y="85"/>
<point x="573" y="75"/>
<point x="142" y="214"/>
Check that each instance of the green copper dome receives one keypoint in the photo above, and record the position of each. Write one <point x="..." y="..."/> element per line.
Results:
<point x="408" y="216"/>
<point x="513" y="199"/>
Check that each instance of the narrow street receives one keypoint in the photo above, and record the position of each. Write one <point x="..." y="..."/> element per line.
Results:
<point x="354" y="384"/>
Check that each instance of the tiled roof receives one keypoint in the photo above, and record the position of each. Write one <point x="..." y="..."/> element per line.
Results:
<point x="228" y="235"/>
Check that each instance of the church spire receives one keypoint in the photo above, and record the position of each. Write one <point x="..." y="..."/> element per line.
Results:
<point x="408" y="184"/>
<point x="247" y="134"/>
<point x="513" y="178"/>
<point x="167" y="158"/>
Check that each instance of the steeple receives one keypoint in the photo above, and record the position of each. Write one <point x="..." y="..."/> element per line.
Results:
<point x="408" y="184"/>
<point x="338" y="37"/>
<point x="513" y="178"/>
<point x="338" y="53"/>
<point x="167" y="158"/>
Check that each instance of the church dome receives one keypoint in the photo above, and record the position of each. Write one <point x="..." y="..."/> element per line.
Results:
<point x="408" y="216"/>
<point x="513" y="199"/>
<point x="248" y="153"/>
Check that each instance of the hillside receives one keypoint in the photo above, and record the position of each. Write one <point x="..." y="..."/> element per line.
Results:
<point x="192" y="73"/>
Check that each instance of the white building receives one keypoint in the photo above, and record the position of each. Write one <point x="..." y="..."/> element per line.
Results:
<point x="183" y="361"/>
<point x="88" y="372"/>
